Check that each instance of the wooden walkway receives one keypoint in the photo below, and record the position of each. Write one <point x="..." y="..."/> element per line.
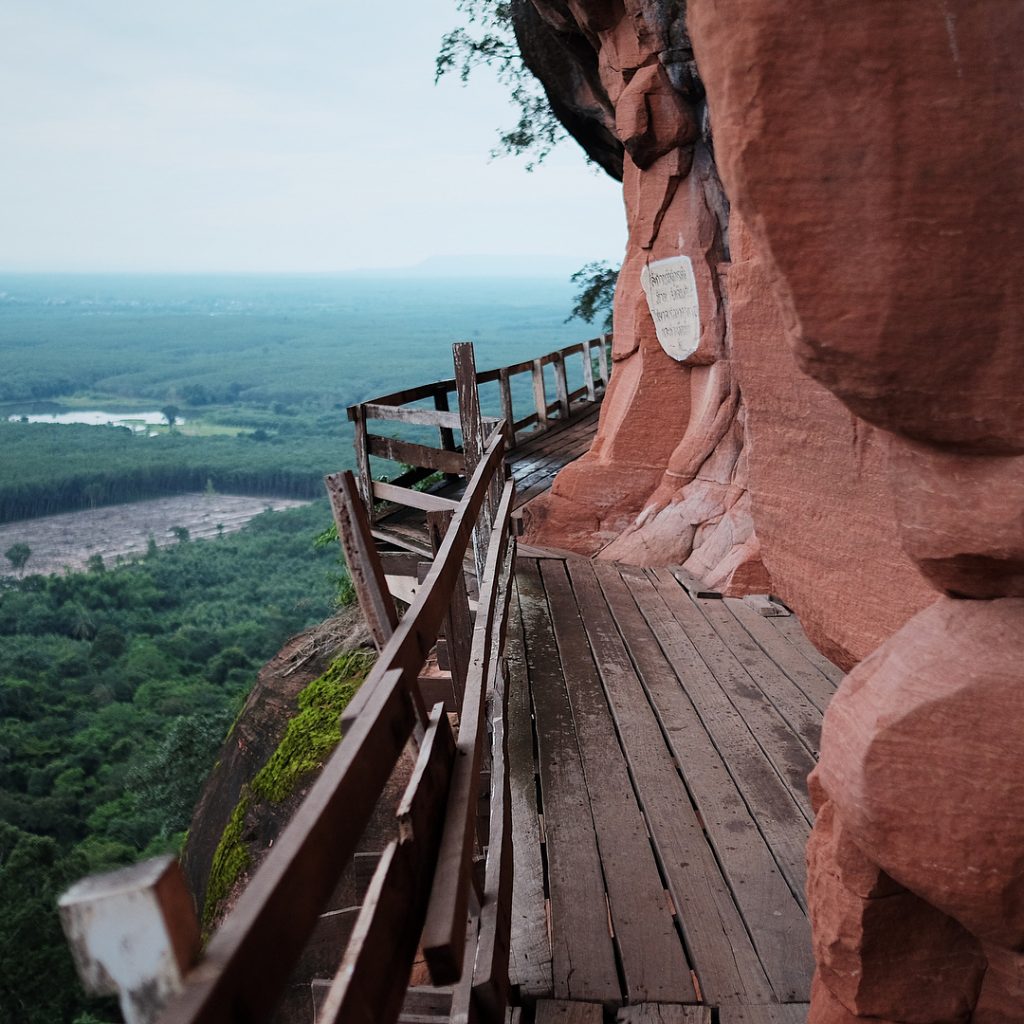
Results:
<point x="533" y="464"/>
<point x="659" y="744"/>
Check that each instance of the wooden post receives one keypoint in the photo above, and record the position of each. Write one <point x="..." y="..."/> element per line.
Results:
<point x="133" y="933"/>
<point x="506" y="408"/>
<point x="364" y="565"/>
<point x="446" y="435"/>
<point x="602" y="359"/>
<point x="588" y="371"/>
<point x="472" y="441"/>
<point x="561" y="387"/>
<point x="458" y="622"/>
<point x="540" y="397"/>
<point x="363" y="460"/>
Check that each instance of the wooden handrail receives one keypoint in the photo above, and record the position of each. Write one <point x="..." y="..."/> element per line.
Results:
<point x="398" y="407"/>
<point x="424" y="886"/>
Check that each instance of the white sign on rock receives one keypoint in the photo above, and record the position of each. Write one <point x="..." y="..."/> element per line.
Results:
<point x="671" y="291"/>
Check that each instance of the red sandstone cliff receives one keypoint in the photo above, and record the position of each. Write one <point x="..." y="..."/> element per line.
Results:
<point x="849" y="431"/>
<point x="732" y="461"/>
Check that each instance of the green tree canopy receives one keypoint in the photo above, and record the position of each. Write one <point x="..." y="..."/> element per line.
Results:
<point x="18" y="554"/>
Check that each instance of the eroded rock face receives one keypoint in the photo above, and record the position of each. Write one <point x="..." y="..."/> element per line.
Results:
<point x="860" y="143"/>
<point x="692" y="461"/>
<point x="849" y="431"/>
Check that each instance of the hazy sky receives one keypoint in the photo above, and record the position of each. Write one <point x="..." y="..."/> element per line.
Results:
<point x="259" y="136"/>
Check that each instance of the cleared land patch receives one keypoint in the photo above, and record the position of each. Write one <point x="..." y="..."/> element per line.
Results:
<point x="70" y="539"/>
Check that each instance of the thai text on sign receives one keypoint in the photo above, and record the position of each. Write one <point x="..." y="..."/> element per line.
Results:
<point x="671" y="291"/>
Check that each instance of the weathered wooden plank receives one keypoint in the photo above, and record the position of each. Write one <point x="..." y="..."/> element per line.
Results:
<point x="781" y="938"/>
<point x="727" y="965"/>
<point x="790" y="758"/>
<point x="417" y="632"/>
<point x="458" y="622"/>
<point x="655" y="1013"/>
<point x="602" y="359"/>
<point x="444" y="931"/>
<point x="803" y="718"/>
<point x="415" y="394"/>
<point x="362" y="458"/>
<point x="490" y="971"/>
<point x="530" y="960"/>
<point x="793" y="631"/>
<point x="473" y="441"/>
<point x="576" y="348"/>
<point x="588" y="374"/>
<point x="583" y="957"/>
<point x="470" y="421"/>
<point x="558" y="1011"/>
<point x="771" y="803"/>
<point x="561" y="389"/>
<point x="444" y="433"/>
<point x="248" y="959"/>
<point x="384" y="938"/>
<point x="397" y="535"/>
<point x="653" y="964"/>
<point x="818" y="688"/>
<point x="412" y="499"/>
<point x="363" y="991"/>
<point x="506" y="401"/>
<point x="399" y="563"/>
<point x="540" y="398"/>
<point x="415" y="454"/>
<point x="464" y="1007"/>
<point x="410" y="414"/>
<point x="364" y="566"/>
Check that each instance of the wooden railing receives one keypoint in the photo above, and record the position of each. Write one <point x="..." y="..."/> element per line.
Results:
<point x="447" y="457"/>
<point x="426" y="892"/>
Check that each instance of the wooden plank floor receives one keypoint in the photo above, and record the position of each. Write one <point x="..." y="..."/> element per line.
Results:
<point x="533" y="463"/>
<point x="659" y="745"/>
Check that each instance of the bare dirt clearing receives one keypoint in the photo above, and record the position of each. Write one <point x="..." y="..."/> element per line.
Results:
<point x="69" y="540"/>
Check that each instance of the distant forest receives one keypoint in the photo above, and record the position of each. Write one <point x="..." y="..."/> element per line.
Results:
<point x="117" y="687"/>
<point x="52" y="468"/>
<point x="261" y="369"/>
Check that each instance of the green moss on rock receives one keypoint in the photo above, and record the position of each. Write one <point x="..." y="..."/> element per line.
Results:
<point x="230" y="859"/>
<point x="309" y="738"/>
<point x="313" y="733"/>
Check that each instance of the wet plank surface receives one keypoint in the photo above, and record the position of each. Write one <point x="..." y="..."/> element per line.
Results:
<point x="661" y="744"/>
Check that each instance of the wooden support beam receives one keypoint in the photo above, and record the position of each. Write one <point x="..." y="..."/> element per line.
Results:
<point x="588" y="373"/>
<point x="413" y="499"/>
<point x="441" y="418"/>
<point x="490" y="970"/>
<point x="384" y="939"/>
<point x="472" y="440"/>
<point x="414" y="454"/>
<point x="445" y="434"/>
<point x="248" y="959"/>
<point x="445" y="930"/>
<point x="458" y="621"/>
<point x="540" y="398"/>
<point x="364" y="566"/>
<point x="506" y="408"/>
<point x="561" y="388"/>
<point x="602" y="359"/>
<point x="362" y="458"/>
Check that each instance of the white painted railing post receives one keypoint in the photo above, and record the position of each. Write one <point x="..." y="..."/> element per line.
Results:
<point x="133" y="933"/>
